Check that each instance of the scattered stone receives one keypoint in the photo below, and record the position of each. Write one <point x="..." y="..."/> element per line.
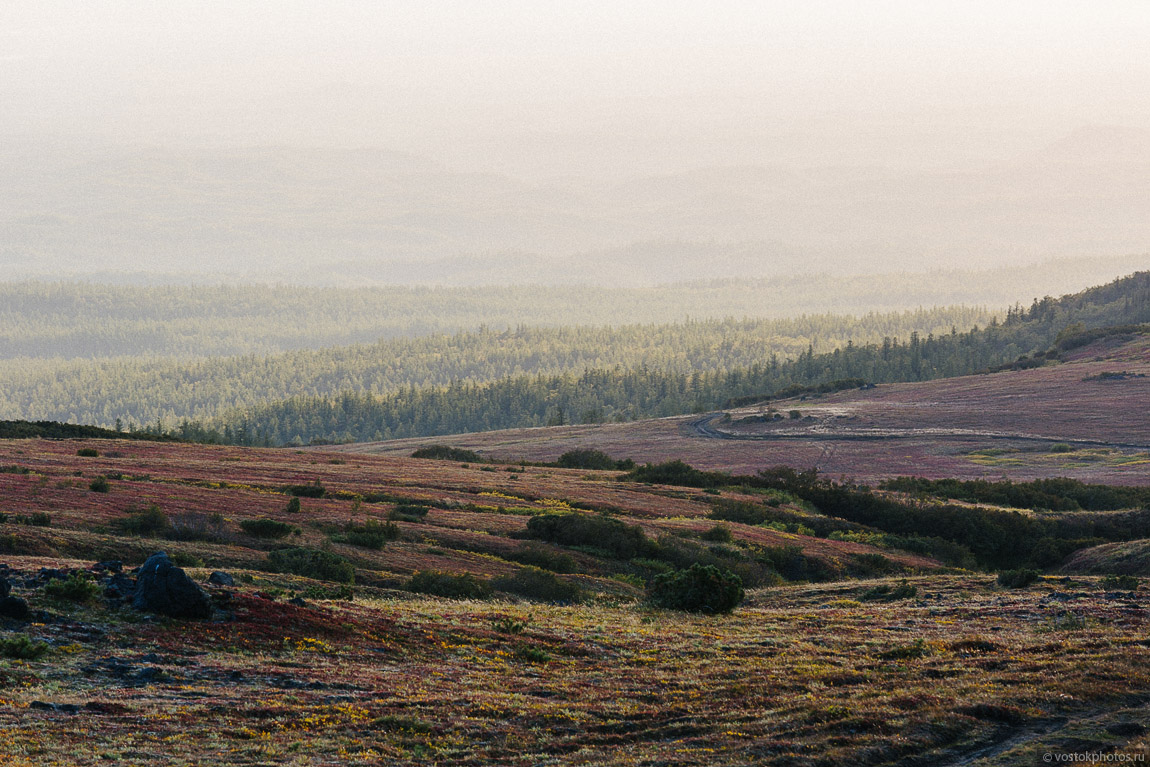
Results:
<point x="152" y="674"/>
<point x="109" y="566"/>
<point x="120" y="586"/>
<point x="166" y="589"/>
<point x="220" y="578"/>
<point x="15" y="607"/>
<point x="63" y="708"/>
<point x="1126" y="729"/>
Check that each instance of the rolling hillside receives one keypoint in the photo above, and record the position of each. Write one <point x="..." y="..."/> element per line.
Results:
<point x="1077" y="418"/>
<point x="426" y="626"/>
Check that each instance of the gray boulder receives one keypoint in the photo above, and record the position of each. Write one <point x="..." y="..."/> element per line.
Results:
<point x="220" y="578"/>
<point x="15" y="608"/>
<point x="163" y="588"/>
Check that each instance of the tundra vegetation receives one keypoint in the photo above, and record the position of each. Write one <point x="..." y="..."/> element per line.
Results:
<point x="532" y="616"/>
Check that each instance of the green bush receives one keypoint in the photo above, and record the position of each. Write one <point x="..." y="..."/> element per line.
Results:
<point x="315" y="591"/>
<point x="185" y="559"/>
<point x="1017" y="579"/>
<point x="88" y="452"/>
<point x="918" y="649"/>
<point x="531" y="654"/>
<point x="717" y="534"/>
<point x="75" y="588"/>
<point x="886" y="594"/>
<point x="35" y="519"/>
<point x="312" y="490"/>
<point x="699" y="588"/>
<point x="677" y="473"/>
<point x="22" y="647"/>
<point x="441" y="584"/>
<point x="445" y="453"/>
<point x="194" y="526"/>
<point x="293" y="505"/>
<point x="409" y="512"/>
<point x="313" y="563"/>
<point x="586" y="458"/>
<point x="267" y="528"/>
<point x="539" y="585"/>
<point x="372" y="534"/>
<point x="1120" y="582"/>
<point x="99" y="485"/>
<point x="539" y="556"/>
<point x="149" y="521"/>
<point x="581" y="529"/>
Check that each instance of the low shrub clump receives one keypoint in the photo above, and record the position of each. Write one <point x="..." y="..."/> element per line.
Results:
<point x="268" y="528"/>
<point x="313" y="563"/>
<point x="315" y="591"/>
<point x="699" y="588"/>
<point x="194" y="526"/>
<point x="149" y="521"/>
<point x="717" y="534"/>
<point x="99" y="485"/>
<point x="539" y="585"/>
<point x="582" y="529"/>
<point x="1017" y="579"/>
<point x="409" y="512"/>
<point x="35" y="519"/>
<point x="1120" y="582"/>
<point x="445" y="453"/>
<point x="538" y="556"/>
<point x="21" y="647"/>
<point x="75" y="588"/>
<point x="886" y="594"/>
<point x="310" y="490"/>
<point x="88" y="452"/>
<point x="372" y="534"/>
<point x="450" y="585"/>
<point x="592" y="459"/>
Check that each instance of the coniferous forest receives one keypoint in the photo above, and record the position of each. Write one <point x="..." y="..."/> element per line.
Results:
<point x="536" y="377"/>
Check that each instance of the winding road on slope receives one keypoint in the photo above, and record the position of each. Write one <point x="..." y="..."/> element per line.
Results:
<point x="705" y="427"/>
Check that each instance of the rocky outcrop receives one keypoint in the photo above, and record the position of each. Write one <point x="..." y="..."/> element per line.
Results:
<point x="163" y="588"/>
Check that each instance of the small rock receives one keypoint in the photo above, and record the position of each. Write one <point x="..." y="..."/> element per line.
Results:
<point x="111" y="566"/>
<point x="15" y="607"/>
<point x="220" y="578"/>
<point x="164" y="588"/>
<point x="40" y="705"/>
<point x="297" y="601"/>
<point x="151" y="674"/>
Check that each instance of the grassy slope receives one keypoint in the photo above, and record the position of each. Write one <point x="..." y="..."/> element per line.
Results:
<point x="800" y="674"/>
<point x="958" y="427"/>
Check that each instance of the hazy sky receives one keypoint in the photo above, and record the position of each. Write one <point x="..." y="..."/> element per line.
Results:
<point x="541" y="88"/>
